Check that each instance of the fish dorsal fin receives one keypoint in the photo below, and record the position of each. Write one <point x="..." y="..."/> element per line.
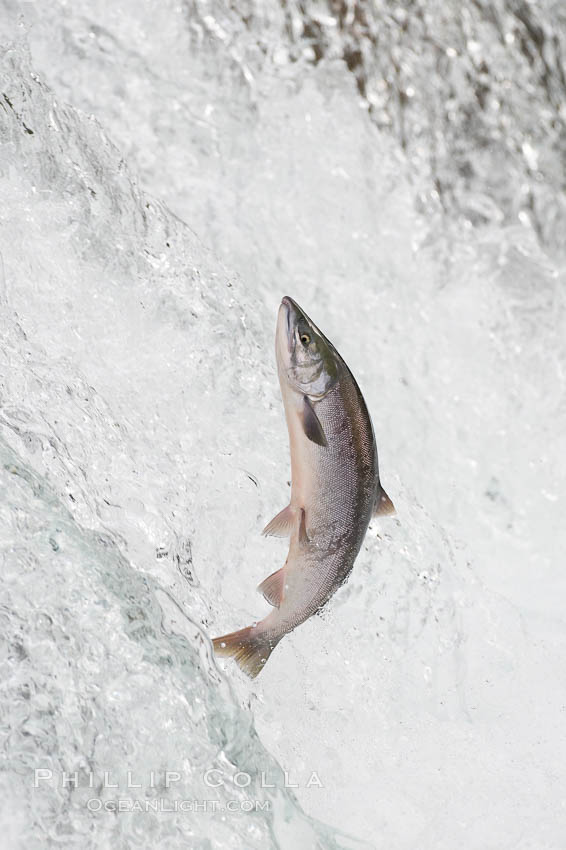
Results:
<point x="273" y="587"/>
<point x="311" y="423"/>
<point x="382" y="506"/>
<point x="282" y="524"/>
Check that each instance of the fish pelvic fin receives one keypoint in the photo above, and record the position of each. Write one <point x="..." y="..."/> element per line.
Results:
<point x="382" y="506"/>
<point x="282" y="524"/>
<point x="248" y="647"/>
<point x="273" y="587"/>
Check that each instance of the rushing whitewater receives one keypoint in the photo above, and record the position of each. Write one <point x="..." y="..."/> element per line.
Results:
<point x="167" y="171"/>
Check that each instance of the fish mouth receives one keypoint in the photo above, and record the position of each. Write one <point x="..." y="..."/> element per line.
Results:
<point x="290" y="304"/>
<point x="289" y="313"/>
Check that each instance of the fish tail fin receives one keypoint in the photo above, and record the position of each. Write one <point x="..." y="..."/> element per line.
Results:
<point x="248" y="647"/>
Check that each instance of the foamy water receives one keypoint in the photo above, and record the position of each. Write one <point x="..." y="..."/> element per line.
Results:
<point x="167" y="175"/>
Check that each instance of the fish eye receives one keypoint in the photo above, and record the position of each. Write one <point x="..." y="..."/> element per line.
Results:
<point x="305" y="339"/>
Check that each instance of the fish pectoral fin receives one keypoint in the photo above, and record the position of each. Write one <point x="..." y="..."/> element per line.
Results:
<point x="282" y="524"/>
<point x="273" y="587"/>
<point x="311" y="423"/>
<point x="382" y="506"/>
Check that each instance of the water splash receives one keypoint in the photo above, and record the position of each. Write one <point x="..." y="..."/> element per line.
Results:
<point x="144" y="448"/>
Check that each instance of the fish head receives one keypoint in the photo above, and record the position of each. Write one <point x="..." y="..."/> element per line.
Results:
<point x="306" y="360"/>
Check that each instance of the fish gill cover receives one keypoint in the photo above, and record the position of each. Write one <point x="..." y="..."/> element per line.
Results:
<point x="167" y="172"/>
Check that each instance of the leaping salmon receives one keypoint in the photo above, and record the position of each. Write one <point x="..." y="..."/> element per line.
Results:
<point x="335" y="486"/>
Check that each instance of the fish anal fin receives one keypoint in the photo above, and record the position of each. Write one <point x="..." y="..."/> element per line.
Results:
<point x="273" y="587"/>
<point x="382" y="506"/>
<point x="282" y="524"/>
<point x="248" y="647"/>
<point x="311" y="423"/>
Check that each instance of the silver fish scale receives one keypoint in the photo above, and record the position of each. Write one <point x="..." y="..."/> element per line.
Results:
<point x="346" y="475"/>
<point x="334" y="490"/>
